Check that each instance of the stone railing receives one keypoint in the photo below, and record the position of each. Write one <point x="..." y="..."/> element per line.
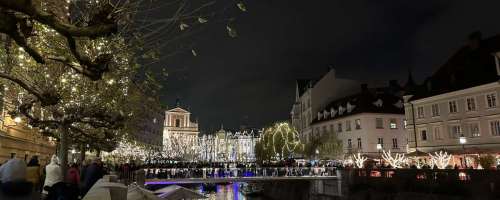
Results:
<point x="107" y="188"/>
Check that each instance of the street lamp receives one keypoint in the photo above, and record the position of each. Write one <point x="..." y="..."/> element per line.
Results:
<point x="379" y="147"/>
<point x="462" y="141"/>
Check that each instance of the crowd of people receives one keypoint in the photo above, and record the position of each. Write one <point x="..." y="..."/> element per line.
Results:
<point x="31" y="180"/>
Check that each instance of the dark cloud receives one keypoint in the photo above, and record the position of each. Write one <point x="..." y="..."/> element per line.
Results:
<point x="250" y="79"/>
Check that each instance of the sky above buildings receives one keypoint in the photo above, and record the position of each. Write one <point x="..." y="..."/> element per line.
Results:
<point x="250" y="80"/>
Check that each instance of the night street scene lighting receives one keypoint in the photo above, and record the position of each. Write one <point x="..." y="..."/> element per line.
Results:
<point x="249" y="100"/>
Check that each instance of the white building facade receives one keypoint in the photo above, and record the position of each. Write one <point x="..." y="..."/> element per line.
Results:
<point x="460" y="100"/>
<point x="363" y="120"/>
<point x="226" y="146"/>
<point x="180" y="135"/>
<point x="311" y="96"/>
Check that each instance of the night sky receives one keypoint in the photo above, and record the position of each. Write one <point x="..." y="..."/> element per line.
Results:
<point x="250" y="80"/>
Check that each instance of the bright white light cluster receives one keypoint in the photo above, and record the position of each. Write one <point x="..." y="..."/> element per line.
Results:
<point x="395" y="161"/>
<point x="359" y="160"/>
<point x="441" y="159"/>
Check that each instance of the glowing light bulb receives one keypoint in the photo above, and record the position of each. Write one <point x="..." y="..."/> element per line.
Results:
<point x="17" y="119"/>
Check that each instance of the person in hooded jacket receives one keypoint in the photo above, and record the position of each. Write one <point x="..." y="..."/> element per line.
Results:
<point x="13" y="179"/>
<point x="53" y="173"/>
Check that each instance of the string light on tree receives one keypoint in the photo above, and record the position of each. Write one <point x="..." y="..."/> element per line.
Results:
<point x="359" y="160"/>
<point x="441" y="159"/>
<point x="396" y="161"/>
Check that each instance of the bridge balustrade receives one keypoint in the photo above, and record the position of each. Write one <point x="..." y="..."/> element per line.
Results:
<point x="214" y="173"/>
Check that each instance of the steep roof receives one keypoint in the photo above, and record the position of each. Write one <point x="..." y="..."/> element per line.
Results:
<point x="468" y="67"/>
<point x="303" y="85"/>
<point x="382" y="100"/>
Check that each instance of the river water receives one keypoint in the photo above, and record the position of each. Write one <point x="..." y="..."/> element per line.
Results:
<point x="227" y="191"/>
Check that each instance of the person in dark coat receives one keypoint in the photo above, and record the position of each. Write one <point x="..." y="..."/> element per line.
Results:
<point x="93" y="173"/>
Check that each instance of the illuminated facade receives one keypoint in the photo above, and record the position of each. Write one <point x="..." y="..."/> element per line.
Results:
<point x="180" y="135"/>
<point x="226" y="146"/>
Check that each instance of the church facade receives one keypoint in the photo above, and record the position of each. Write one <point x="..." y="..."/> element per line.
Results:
<point x="180" y="135"/>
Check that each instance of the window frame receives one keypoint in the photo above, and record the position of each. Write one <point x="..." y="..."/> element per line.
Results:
<point x="487" y="101"/>
<point x="395" y="123"/>
<point x="420" y="115"/>
<point x="381" y="124"/>
<point x="467" y="109"/>
<point x="395" y="143"/>
<point x="435" y="112"/>
<point x="455" y="106"/>
<point x="491" y="127"/>
<point x="348" y="125"/>
<point x="357" y="123"/>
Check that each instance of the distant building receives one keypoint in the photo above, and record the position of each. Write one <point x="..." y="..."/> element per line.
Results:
<point x="365" y="119"/>
<point x="459" y="100"/>
<point x="311" y="96"/>
<point x="180" y="134"/>
<point x="229" y="146"/>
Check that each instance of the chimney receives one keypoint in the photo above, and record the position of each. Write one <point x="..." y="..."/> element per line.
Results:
<point x="364" y="87"/>
<point x="474" y="40"/>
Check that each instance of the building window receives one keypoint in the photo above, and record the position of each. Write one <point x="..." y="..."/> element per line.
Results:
<point x="495" y="128"/>
<point x="393" y="124"/>
<point x="394" y="143"/>
<point x="471" y="103"/>
<point x="423" y="135"/>
<point x="348" y="125"/>
<point x="339" y="127"/>
<point x="420" y="112"/>
<point x="360" y="146"/>
<point x="379" y="123"/>
<point x="405" y="123"/>
<point x="435" y="110"/>
<point x="358" y="124"/>
<point x="177" y="123"/>
<point x="491" y="100"/>
<point x="455" y="131"/>
<point x="453" y="106"/>
<point x="437" y="133"/>
<point x="332" y="129"/>
<point x="349" y="144"/>
<point x="474" y="130"/>
<point x="324" y="130"/>
<point x="381" y="142"/>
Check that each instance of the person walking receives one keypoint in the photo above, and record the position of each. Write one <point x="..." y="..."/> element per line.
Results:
<point x="33" y="173"/>
<point x="53" y="173"/>
<point x="93" y="173"/>
<point x="13" y="180"/>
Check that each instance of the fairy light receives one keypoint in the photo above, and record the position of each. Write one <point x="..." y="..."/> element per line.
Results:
<point x="359" y="160"/>
<point x="395" y="161"/>
<point x="441" y="159"/>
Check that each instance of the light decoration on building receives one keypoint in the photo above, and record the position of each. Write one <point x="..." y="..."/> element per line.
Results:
<point x="441" y="159"/>
<point x="396" y="161"/>
<point x="228" y="146"/>
<point x="180" y="146"/>
<point x="359" y="160"/>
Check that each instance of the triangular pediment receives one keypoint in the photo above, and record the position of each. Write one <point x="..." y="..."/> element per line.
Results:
<point x="178" y="110"/>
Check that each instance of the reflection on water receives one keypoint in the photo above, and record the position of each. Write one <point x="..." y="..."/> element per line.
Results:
<point x="226" y="192"/>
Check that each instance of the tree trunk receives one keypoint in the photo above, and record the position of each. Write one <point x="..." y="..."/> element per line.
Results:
<point x="82" y="153"/>
<point x="63" y="149"/>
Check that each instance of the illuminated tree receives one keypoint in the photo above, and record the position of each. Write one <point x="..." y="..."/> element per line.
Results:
<point x="396" y="161"/>
<point x="359" y="160"/>
<point x="69" y="74"/>
<point x="440" y="159"/>
<point x="278" y="141"/>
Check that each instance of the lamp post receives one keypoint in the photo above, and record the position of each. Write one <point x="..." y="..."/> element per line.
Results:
<point x="379" y="147"/>
<point x="317" y="156"/>
<point x="462" y="141"/>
